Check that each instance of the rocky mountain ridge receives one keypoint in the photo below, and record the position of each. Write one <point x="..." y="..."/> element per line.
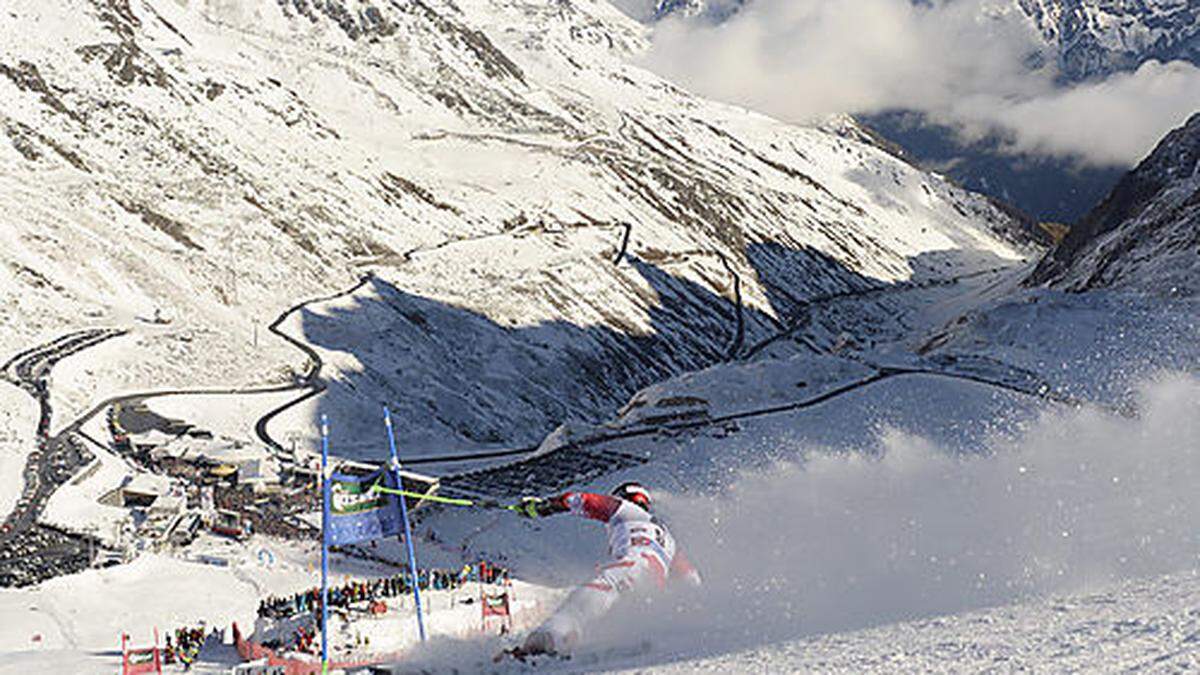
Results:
<point x="1146" y="233"/>
<point x="711" y="10"/>
<point x="1096" y="38"/>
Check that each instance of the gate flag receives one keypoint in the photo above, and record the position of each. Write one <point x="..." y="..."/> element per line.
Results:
<point x="139" y="661"/>
<point x="357" y="513"/>
<point x="496" y="605"/>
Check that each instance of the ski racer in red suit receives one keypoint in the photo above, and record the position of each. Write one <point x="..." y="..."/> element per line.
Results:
<point x="642" y="557"/>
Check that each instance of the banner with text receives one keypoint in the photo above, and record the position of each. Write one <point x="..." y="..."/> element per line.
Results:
<point x="356" y="513"/>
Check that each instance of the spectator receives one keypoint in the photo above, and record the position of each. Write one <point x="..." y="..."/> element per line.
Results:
<point x="364" y="592"/>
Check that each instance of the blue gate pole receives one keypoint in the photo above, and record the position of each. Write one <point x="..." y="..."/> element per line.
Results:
<point x="324" y="544"/>
<point x="408" y="540"/>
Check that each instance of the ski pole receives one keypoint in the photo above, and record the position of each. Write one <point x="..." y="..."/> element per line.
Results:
<point x="470" y="503"/>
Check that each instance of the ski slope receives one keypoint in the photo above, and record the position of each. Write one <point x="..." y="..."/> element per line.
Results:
<point x="822" y="535"/>
<point x="920" y="518"/>
<point x="1141" y="625"/>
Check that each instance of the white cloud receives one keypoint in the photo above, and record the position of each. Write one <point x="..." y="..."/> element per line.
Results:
<point x="963" y="63"/>
<point x="1116" y="121"/>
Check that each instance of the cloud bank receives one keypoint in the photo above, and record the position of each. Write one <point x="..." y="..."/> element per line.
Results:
<point x="965" y="63"/>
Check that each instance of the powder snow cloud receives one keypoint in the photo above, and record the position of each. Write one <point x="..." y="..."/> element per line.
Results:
<point x="848" y="540"/>
<point x="964" y="63"/>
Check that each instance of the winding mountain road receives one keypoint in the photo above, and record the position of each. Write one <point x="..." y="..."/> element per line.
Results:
<point x="30" y="371"/>
<point x="310" y="380"/>
<point x="29" y="551"/>
<point x="585" y="459"/>
<point x="582" y="460"/>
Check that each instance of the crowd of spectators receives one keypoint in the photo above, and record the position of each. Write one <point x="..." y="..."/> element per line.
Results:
<point x="185" y="648"/>
<point x="303" y="639"/>
<point x="344" y="595"/>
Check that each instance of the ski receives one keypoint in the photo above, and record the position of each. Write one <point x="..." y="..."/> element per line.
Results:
<point x="588" y="657"/>
<point x="528" y="658"/>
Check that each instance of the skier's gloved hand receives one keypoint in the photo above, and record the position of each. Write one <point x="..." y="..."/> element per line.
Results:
<point x="530" y="507"/>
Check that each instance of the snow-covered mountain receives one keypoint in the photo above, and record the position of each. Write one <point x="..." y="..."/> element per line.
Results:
<point x="1145" y="234"/>
<point x="209" y="163"/>
<point x="1094" y="38"/>
<point x="1074" y="40"/>
<point x="713" y="10"/>
<point x="1088" y="38"/>
<point x="1083" y="40"/>
<point x="528" y="230"/>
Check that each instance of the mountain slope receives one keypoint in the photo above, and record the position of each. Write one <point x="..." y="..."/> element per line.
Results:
<point x="712" y="10"/>
<point x="1145" y="234"/>
<point x="211" y="163"/>
<point x="1093" y="38"/>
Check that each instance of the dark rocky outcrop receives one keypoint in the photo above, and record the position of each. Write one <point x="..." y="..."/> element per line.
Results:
<point x="1154" y="206"/>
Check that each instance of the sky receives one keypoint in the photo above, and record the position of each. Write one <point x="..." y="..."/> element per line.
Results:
<point x="962" y="63"/>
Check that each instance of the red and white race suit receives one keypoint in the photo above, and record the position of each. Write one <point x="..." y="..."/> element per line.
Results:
<point x="642" y="558"/>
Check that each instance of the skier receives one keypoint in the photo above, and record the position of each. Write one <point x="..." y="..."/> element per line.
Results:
<point x="642" y="557"/>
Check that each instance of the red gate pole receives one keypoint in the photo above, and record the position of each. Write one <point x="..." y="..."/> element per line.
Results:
<point x="157" y="656"/>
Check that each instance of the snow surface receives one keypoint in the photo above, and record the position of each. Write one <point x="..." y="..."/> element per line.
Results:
<point x="1146" y="624"/>
<point x="480" y="156"/>
<point x="916" y="497"/>
<point x="739" y="388"/>
<point x="78" y="620"/>
<point x="18" y="422"/>
<point x="228" y="416"/>
<point x="906" y="526"/>
<point x="77" y="612"/>
<point x="75" y="506"/>
<point x="1098" y="345"/>
<point x="189" y="170"/>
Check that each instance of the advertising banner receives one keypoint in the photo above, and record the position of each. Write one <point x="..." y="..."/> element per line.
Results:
<point x="356" y="513"/>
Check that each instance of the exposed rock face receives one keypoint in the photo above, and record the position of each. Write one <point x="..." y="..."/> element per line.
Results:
<point x="1146" y="234"/>
<point x="1088" y="38"/>
<point x="715" y="10"/>
<point x="1094" y="38"/>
